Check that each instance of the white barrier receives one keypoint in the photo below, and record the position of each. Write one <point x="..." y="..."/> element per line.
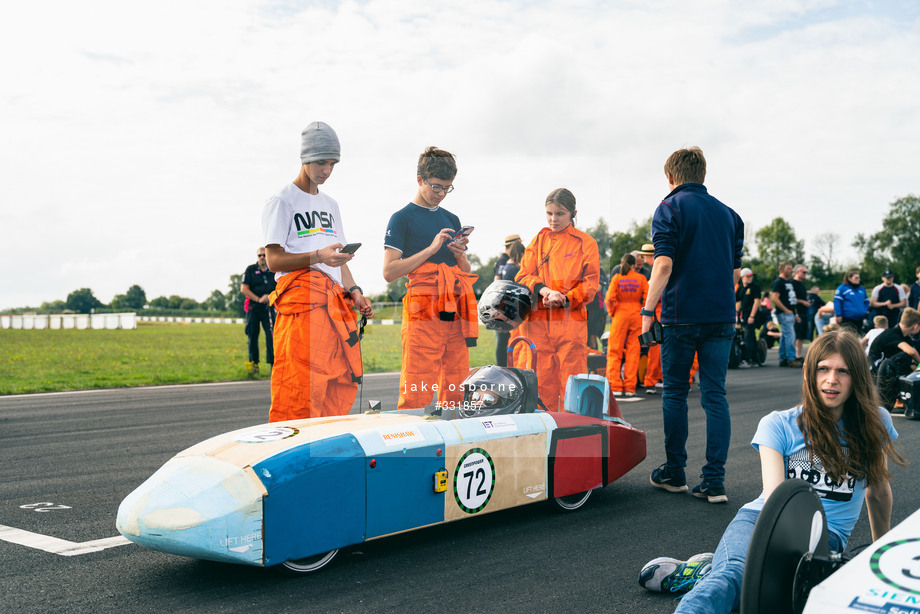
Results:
<point x="79" y="321"/>
<point x="195" y="320"/>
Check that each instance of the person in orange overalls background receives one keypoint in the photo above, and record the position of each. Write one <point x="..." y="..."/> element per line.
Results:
<point x="317" y="359"/>
<point x="562" y="268"/>
<point x="652" y="379"/>
<point x="440" y="320"/>
<point x="625" y="297"/>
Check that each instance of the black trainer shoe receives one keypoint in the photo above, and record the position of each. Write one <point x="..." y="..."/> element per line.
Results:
<point x="714" y="493"/>
<point x="671" y="482"/>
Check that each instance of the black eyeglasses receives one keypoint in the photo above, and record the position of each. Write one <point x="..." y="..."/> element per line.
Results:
<point x="261" y="255"/>
<point x="439" y="188"/>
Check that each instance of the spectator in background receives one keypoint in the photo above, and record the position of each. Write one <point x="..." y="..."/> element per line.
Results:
<point x="747" y="302"/>
<point x="893" y="354"/>
<point x="510" y="240"/>
<point x="815" y="303"/>
<point x="801" y="309"/>
<point x="913" y="300"/>
<point x="507" y="271"/>
<point x="881" y="325"/>
<point x="624" y="299"/>
<point x="851" y="303"/>
<point x="824" y="316"/>
<point x="597" y="313"/>
<point x="888" y="298"/>
<point x="784" y="300"/>
<point x="258" y="283"/>
<point x="646" y="257"/>
<point x="698" y="243"/>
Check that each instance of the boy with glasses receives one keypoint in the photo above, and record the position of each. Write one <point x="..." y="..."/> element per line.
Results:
<point x="440" y="320"/>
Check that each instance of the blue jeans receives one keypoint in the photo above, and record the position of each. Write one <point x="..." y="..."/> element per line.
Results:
<point x="720" y="590"/>
<point x="787" y="330"/>
<point x="712" y="344"/>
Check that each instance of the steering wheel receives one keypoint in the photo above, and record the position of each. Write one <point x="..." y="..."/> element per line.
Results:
<point x="790" y="533"/>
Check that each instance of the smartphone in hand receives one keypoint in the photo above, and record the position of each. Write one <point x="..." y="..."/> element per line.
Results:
<point x="464" y="231"/>
<point x="350" y="248"/>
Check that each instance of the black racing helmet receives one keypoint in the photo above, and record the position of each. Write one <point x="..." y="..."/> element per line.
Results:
<point x="493" y="390"/>
<point x="505" y="305"/>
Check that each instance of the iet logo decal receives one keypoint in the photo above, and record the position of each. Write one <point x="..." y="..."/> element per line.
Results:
<point x="313" y="222"/>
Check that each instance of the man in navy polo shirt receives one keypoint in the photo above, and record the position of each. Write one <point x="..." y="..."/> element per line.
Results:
<point x="698" y="242"/>
<point x="258" y="283"/>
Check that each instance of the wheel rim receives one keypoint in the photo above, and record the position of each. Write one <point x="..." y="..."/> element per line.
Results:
<point x="310" y="563"/>
<point x="572" y="502"/>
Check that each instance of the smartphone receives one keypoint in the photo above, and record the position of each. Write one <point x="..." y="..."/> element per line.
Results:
<point x="350" y="248"/>
<point x="464" y="231"/>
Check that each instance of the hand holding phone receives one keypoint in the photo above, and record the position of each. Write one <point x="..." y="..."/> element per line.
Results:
<point x="464" y="231"/>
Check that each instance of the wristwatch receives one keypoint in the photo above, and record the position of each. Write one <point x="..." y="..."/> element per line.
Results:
<point x="646" y="312"/>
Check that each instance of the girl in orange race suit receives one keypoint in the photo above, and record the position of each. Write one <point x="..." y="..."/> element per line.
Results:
<point x="625" y="297"/>
<point x="562" y="268"/>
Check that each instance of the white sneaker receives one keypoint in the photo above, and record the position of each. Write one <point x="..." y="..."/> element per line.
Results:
<point x="617" y="393"/>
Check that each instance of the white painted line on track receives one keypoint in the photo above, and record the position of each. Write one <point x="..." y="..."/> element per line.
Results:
<point x="58" y="546"/>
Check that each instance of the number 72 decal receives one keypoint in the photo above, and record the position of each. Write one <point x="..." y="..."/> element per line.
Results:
<point x="474" y="480"/>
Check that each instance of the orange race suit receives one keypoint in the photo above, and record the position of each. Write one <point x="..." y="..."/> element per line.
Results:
<point x="625" y="297"/>
<point x="317" y="358"/>
<point x="566" y="261"/>
<point x="440" y="323"/>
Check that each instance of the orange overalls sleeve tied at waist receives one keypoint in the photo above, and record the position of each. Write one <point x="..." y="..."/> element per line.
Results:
<point x="440" y="323"/>
<point x="446" y="292"/>
<point x="317" y="357"/>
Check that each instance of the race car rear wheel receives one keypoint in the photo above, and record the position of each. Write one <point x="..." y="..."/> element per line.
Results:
<point x="570" y="503"/>
<point x="310" y="564"/>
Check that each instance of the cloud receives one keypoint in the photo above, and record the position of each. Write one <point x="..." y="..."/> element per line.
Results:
<point x="141" y="141"/>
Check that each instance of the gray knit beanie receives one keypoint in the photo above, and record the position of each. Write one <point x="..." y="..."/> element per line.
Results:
<point x="318" y="141"/>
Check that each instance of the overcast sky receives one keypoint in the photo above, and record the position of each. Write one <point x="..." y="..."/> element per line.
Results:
<point x="141" y="140"/>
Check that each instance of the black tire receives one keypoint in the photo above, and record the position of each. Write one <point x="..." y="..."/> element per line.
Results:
<point x="570" y="503"/>
<point x="760" y="352"/>
<point x="308" y="565"/>
<point x="734" y="356"/>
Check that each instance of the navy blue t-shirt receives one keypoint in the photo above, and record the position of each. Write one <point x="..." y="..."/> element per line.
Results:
<point x="412" y="228"/>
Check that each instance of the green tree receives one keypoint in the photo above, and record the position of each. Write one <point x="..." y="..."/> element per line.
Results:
<point x="896" y="246"/>
<point x="135" y="297"/>
<point x="396" y="289"/>
<point x="52" y="307"/>
<point x="160" y="302"/>
<point x="82" y="301"/>
<point x="601" y="233"/>
<point x="777" y="242"/>
<point x="216" y="302"/>
<point x="235" y="298"/>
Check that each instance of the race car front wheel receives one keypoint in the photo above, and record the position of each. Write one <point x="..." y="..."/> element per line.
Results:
<point x="570" y="503"/>
<point x="310" y="564"/>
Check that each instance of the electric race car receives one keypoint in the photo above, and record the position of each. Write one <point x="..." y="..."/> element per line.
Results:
<point x="294" y="493"/>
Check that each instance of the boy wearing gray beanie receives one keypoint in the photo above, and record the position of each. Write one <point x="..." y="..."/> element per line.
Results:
<point x="317" y="359"/>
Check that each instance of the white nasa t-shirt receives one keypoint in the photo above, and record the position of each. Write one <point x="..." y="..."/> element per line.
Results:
<point x="301" y="223"/>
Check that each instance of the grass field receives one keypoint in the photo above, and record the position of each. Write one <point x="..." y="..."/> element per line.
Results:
<point x="162" y="353"/>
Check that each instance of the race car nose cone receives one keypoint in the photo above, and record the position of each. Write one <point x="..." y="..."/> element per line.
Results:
<point x="200" y="507"/>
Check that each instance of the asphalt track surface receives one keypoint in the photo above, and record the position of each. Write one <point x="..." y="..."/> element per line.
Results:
<point x="87" y="450"/>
